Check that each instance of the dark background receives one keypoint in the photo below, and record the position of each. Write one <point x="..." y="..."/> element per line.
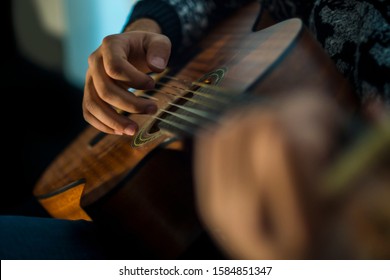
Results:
<point x="41" y="113"/>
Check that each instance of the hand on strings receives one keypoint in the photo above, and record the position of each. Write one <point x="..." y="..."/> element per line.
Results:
<point x="120" y="63"/>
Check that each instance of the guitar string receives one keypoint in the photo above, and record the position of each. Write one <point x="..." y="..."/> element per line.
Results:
<point x="338" y="172"/>
<point x="334" y="185"/>
<point x="227" y="97"/>
<point x="205" y="114"/>
<point x="202" y="84"/>
<point x="224" y="99"/>
<point x="200" y="117"/>
<point x="178" y="96"/>
<point x="196" y="101"/>
<point x="224" y="95"/>
<point x="203" y="94"/>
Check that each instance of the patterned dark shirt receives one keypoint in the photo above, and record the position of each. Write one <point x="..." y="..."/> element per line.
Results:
<point x="355" y="33"/>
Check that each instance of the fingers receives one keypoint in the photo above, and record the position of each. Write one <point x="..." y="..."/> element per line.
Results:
<point x="120" y="63"/>
<point x="103" y="116"/>
<point x="245" y="191"/>
<point x="127" y="57"/>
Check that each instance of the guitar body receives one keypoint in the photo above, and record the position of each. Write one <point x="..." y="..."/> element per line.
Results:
<point x="142" y="185"/>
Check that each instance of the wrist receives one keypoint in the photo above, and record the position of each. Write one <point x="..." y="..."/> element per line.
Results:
<point x="143" y="24"/>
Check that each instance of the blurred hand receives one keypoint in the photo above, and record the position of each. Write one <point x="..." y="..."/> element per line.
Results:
<point x="250" y="172"/>
<point x="121" y="62"/>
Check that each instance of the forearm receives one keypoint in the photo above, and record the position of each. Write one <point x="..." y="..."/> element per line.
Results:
<point x="156" y="16"/>
<point x="183" y="21"/>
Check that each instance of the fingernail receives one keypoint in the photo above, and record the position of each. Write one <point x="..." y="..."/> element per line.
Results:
<point x="151" y="109"/>
<point x="158" y="62"/>
<point x="130" y="129"/>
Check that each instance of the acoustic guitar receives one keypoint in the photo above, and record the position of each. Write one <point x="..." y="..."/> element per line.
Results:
<point x="142" y="185"/>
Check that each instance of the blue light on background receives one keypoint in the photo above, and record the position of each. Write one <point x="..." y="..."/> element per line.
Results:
<point x="88" y="22"/>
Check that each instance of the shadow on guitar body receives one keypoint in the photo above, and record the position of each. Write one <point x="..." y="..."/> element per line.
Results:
<point x="157" y="197"/>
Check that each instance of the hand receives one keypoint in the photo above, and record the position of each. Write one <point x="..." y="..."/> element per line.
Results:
<point x="251" y="170"/>
<point x="122" y="62"/>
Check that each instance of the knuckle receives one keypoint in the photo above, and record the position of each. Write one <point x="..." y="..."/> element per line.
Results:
<point x="88" y="107"/>
<point x="105" y="93"/>
<point x="166" y="40"/>
<point x="107" y="40"/>
<point x="113" y="69"/>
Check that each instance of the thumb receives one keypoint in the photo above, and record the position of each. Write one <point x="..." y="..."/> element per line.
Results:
<point x="158" y="53"/>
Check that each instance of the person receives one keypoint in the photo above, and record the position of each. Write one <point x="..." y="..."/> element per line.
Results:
<point x="352" y="48"/>
<point x="358" y="50"/>
<point x="157" y="30"/>
<point x="72" y="239"/>
<point x="113" y="69"/>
